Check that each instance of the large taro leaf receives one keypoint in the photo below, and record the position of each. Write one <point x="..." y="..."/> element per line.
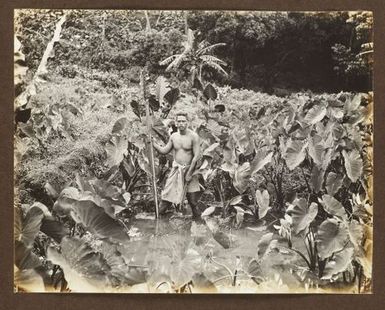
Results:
<point x="197" y="84"/>
<point x="316" y="149"/>
<point x="159" y="129"/>
<point x="63" y="206"/>
<point x="210" y="92"/>
<point x="264" y="243"/>
<point x="208" y="211"/>
<point x="28" y="281"/>
<point x="295" y="153"/>
<point x="120" y="126"/>
<point x="302" y="215"/>
<point x="121" y="273"/>
<point x="243" y="141"/>
<point x="351" y="105"/>
<point x="116" y="148"/>
<point x="260" y="160"/>
<point x="54" y="229"/>
<point x="338" y="263"/>
<point x="333" y="183"/>
<point x="353" y="164"/>
<point x="356" y="233"/>
<point x="135" y="107"/>
<point x="333" y="206"/>
<point x="201" y="282"/>
<point x="24" y="257"/>
<point x="242" y="177"/>
<point x="211" y="150"/>
<point x="106" y="189"/>
<point x="331" y="237"/>
<point x="317" y="178"/>
<point x="31" y="225"/>
<point x="97" y="221"/>
<point x="366" y="258"/>
<point x="315" y="114"/>
<point x="129" y="165"/>
<point x="183" y="270"/>
<point x="263" y="201"/>
<point x="222" y="238"/>
<point x="153" y="103"/>
<point x="85" y="270"/>
<point x="172" y="96"/>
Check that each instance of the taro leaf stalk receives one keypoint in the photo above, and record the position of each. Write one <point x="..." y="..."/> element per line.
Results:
<point x="151" y="151"/>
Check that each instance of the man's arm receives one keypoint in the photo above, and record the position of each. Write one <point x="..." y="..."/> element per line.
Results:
<point x="164" y="149"/>
<point x="196" y="151"/>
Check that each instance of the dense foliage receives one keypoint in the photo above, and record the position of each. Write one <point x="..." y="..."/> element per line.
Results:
<point x="295" y="168"/>
<point x="264" y="51"/>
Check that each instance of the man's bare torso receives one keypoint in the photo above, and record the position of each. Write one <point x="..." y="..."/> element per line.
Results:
<point x="183" y="147"/>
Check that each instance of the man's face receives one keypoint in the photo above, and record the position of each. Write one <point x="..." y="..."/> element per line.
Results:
<point x="181" y="122"/>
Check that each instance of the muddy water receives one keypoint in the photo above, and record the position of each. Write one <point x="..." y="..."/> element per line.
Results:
<point x="177" y="249"/>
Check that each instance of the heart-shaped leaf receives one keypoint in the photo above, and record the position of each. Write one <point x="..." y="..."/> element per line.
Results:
<point x="220" y="108"/>
<point x="28" y="281"/>
<point x="106" y="189"/>
<point x="302" y="215"/>
<point x="31" y="225"/>
<point x="210" y="92"/>
<point x="120" y="126"/>
<point x="331" y="237"/>
<point x="197" y="84"/>
<point x="24" y="257"/>
<point x="338" y="263"/>
<point x="85" y="270"/>
<point x="222" y="238"/>
<point x="333" y="206"/>
<point x="315" y="114"/>
<point x="153" y="103"/>
<point x="353" y="164"/>
<point x="54" y="229"/>
<point x="242" y="177"/>
<point x="333" y="183"/>
<point x="209" y="151"/>
<point x="172" y="96"/>
<point x="295" y="153"/>
<point x="116" y="148"/>
<point x="263" y="244"/>
<point x="208" y="211"/>
<point x="97" y="221"/>
<point x="260" y="160"/>
<point x="135" y="107"/>
<point x="263" y="201"/>
<point x="129" y="166"/>
<point x="22" y="115"/>
<point x="316" y="149"/>
<point x="235" y="200"/>
<point x="317" y="178"/>
<point x="356" y="234"/>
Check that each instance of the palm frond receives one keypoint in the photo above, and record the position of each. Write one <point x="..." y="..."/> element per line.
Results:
<point x="176" y="62"/>
<point x="168" y="60"/>
<point x="209" y="49"/>
<point x="210" y="58"/>
<point x="216" y="67"/>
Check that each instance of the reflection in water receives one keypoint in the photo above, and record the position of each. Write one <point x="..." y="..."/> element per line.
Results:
<point x="177" y="249"/>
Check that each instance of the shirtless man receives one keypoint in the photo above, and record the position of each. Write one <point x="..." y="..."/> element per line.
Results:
<point x="185" y="145"/>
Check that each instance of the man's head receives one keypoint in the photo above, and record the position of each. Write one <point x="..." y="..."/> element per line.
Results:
<point x="181" y="121"/>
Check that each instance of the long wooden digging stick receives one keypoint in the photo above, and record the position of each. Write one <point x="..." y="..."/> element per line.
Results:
<point x="151" y="155"/>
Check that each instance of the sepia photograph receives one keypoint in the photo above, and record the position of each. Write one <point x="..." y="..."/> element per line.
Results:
<point x="193" y="152"/>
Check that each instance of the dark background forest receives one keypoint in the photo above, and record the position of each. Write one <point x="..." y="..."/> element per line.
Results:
<point x="296" y="51"/>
